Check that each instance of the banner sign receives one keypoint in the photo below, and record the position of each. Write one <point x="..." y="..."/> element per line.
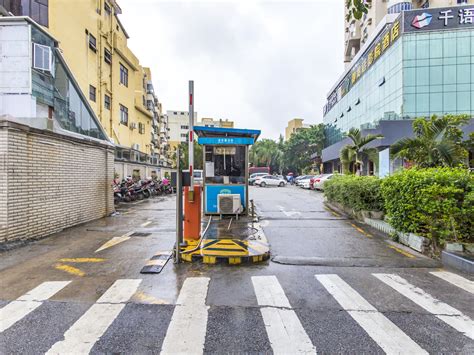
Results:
<point x="225" y="141"/>
<point x="420" y="20"/>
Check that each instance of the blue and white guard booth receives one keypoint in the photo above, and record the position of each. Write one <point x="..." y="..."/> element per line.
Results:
<point x="225" y="169"/>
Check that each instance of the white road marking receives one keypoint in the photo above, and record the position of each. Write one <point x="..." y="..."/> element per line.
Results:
<point x="443" y="311"/>
<point x="284" y="329"/>
<point x="456" y="280"/>
<point x="146" y="223"/>
<point x="386" y="334"/>
<point x="22" y="306"/>
<point x="288" y="213"/>
<point x="115" y="241"/>
<point x="82" y="335"/>
<point x="187" y="330"/>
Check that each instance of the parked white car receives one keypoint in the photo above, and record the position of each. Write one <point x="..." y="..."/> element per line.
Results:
<point x="299" y="179"/>
<point x="305" y="182"/>
<point x="318" y="183"/>
<point x="270" y="180"/>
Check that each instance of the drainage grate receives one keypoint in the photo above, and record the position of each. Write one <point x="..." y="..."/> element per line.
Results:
<point x="140" y="234"/>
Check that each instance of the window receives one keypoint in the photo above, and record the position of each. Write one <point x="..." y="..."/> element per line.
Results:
<point x="107" y="56"/>
<point x="92" y="42"/>
<point x="107" y="8"/>
<point x="123" y="75"/>
<point x="141" y="128"/>
<point x="123" y="115"/>
<point x="92" y="93"/>
<point x="36" y="9"/>
<point x="183" y="135"/>
<point x="107" y="101"/>
<point x="42" y="57"/>
<point x="184" y="127"/>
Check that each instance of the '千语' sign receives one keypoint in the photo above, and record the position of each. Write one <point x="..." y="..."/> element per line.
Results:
<point x="435" y="19"/>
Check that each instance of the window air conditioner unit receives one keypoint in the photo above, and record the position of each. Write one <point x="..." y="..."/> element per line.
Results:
<point x="133" y="125"/>
<point x="229" y="204"/>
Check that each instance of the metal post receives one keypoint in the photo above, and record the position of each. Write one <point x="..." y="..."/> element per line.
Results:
<point x="179" y="208"/>
<point x="190" y="142"/>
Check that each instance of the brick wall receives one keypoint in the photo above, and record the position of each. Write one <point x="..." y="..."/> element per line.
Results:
<point x="49" y="181"/>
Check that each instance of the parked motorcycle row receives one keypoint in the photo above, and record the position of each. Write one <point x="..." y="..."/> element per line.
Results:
<point x="129" y="190"/>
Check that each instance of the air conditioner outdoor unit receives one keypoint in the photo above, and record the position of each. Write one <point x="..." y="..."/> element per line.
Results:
<point x="229" y="204"/>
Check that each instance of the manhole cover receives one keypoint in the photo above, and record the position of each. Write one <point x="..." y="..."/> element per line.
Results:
<point x="140" y="234"/>
<point x="243" y="231"/>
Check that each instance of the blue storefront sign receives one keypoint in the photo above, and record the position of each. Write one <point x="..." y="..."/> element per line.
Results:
<point x="213" y="190"/>
<point x="225" y="141"/>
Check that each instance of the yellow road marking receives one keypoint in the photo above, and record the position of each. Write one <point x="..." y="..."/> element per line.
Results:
<point x="148" y="299"/>
<point x="70" y="269"/>
<point x="146" y="224"/>
<point x="408" y="255"/>
<point x="361" y="231"/>
<point x="335" y="214"/>
<point x="81" y="260"/>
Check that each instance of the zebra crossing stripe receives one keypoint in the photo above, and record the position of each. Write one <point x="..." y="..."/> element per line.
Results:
<point x="456" y="280"/>
<point x="285" y="331"/>
<point x="22" y="306"/>
<point x="82" y="335"/>
<point x="386" y="334"/>
<point x="443" y="311"/>
<point x="187" y="330"/>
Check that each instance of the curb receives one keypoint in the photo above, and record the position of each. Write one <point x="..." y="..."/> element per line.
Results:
<point x="457" y="262"/>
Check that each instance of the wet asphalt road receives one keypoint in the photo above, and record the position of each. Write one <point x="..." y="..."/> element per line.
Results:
<point x="367" y="297"/>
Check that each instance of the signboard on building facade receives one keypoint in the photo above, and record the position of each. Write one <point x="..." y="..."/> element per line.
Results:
<point x="436" y="19"/>
<point x="420" y="20"/>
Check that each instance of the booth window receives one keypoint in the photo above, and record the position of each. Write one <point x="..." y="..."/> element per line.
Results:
<point x="225" y="164"/>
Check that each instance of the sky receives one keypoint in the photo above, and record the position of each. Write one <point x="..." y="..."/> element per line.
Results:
<point x="258" y="63"/>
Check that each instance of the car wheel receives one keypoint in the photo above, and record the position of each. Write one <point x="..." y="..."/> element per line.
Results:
<point x="263" y="184"/>
<point x="281" y="184"/>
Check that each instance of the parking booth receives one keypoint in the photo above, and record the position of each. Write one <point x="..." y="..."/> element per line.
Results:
<point x="225" y="169"/>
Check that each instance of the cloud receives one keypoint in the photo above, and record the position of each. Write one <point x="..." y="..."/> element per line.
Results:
<point x="259" y="63"/>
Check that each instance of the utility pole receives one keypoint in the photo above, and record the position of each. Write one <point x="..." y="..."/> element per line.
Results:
<point x="191" y="140"/>
<point x="179" y="208"/>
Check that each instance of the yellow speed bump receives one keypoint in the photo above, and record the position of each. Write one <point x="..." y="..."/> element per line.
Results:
<point x="234" y="251"/>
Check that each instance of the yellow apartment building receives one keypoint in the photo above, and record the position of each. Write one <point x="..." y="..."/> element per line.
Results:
<point x="212" y="122"/>
<point x="94" y="45"/>
<point x="293" y="126"/>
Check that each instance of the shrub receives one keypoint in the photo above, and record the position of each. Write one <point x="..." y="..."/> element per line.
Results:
<point x="437" y="203"/>
<point x="360" y="193"/>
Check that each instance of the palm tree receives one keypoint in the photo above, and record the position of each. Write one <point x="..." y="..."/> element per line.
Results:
<point x="437" y="142"/>
<point x="355" y="151"/>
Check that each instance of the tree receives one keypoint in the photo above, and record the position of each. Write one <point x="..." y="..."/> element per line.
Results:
<point x="301" y="146"/>
<point x="266" y="152"/>
<point x="184" y="161"/>
<point x="356" y="9"/>
<point x="355" y="152"/>
<point x="438" y="141"/>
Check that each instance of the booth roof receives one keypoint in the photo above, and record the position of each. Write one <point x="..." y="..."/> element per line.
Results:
<point x="202" y="131"/>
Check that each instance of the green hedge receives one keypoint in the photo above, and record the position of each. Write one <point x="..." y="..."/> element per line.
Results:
<point x="437" y="203"/>
<point x="360" y="193"/>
